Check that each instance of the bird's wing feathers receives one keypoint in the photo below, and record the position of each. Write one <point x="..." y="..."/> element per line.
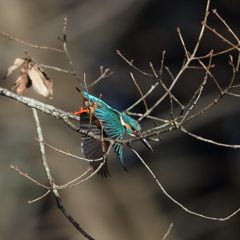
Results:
<point x="92" y="148"/>
<point x="112" y="126"/>
<point x="111" y="123"/>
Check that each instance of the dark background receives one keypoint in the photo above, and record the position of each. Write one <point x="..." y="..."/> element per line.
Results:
<point x="201" y="176"/>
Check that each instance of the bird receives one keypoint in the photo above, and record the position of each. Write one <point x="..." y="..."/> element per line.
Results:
<point x="99" y="118"/>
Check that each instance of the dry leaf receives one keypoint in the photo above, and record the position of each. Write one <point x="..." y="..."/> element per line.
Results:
<point x="23" y="82"/>
<point x="17" y="63"/>
<point x="40" y="83"/>
<point x="31" y="74"/>
<point x="48" y="81"/>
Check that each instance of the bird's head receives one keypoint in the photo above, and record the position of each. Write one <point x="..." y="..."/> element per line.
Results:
<point x="133" y="128"/>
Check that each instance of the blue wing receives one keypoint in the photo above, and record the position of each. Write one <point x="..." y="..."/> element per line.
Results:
<point x="110" y="119"/>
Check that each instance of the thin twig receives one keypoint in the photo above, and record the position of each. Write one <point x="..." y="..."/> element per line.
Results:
<point x="183" y="69"/>
<point x="210" y="74"/>
<point x="219" y="35"/>
<point x="200" y="89"/>
<point x="162" y="63"/>
<point x="171" y="111"/>
<point x="56" y="69"/>
<point x="26" y="175"/>
<point x="187" y="54"/>
<point x="84" y="180"/>
<point x="168" y="231"/>
<point x="175" y="201"/>
<point x="140" y="91"/>
<point x="208" y="140"/>
<point x="195" y="67"/>
<point x="39" y="198"/>
<point x="170" y="73"/>
<point x="216" y="54"/>
<point x="149" y="116"/>
<point x="92" y="174"/>
<point x="236" y="86"/>
<point x="202" y="29"/>
<point x="144" y="96"/>
<point x="67" y="185"/>
<point x="238" y="62"/>
<point x="233" y="94"/>
<point x="68" y="153"/>
<point x="217" y="99"/>
<point x="170" y="94"/>
<point x="198" y="94"/>
<point x="227" y="26"/>
<point x="64" y="41"/>
<point x="130" y="63"/>
<point x="104" y="74"/>
<point x="3" y="34"/>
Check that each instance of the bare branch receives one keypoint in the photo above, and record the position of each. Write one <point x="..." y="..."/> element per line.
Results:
<point x="92" y="174"/>
<point x="64" y="41"/>
<point x="67" y="153"/>
<point x="183" y="44"/>
<point x="209" y="141"/>
<point x="227" y="26"/>
<point x="219" y="35"/>
<point x="169" y="72"/>
<point x="175" y="201"/>
<point x="50" y="179"/>
<point x="3" y="34"/>
<point x="182" y="70"/>
<point x="199" y="92"/>
<point x="162" y="62"/>
<point x="104" y="74"/>
<point x="66" y="185"/>
<point x="142" y="97"/>
<point x="26" y="175"/>
<point x="168" y="231"/>
<point x="150" y="117"/>
<point x="233" y="94"/>
<point x="202" y="29"/>
<point x="56" y="69"/>
<point x="39" y="198"/>
<point x="130" y="63"/>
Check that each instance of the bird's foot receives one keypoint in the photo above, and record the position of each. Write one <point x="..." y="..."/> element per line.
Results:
<point x="81" y="110"/>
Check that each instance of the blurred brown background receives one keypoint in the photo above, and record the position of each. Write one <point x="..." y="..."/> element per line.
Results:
<point x="203" y="177"/>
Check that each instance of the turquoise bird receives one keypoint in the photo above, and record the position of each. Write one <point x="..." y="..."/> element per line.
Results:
<point x="102" y="120"/>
